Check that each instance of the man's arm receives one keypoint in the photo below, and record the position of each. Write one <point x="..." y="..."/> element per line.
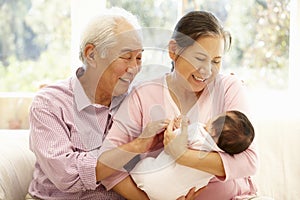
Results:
<point x="113" y="160"/>
<point x="55" y="153"/>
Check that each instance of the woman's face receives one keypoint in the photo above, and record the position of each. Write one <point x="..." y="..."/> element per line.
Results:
<point x="198" y="64"/>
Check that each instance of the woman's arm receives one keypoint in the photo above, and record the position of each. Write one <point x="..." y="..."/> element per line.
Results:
<point x="243" y="164"/>
<point x="176" y="146"/>
<point x="220" y="163"/>
<point x="210" y="162"/>
<point x="128" y="189"/>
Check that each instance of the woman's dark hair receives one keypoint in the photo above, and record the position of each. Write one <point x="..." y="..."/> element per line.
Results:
<point x="235" y="131"/>
<point x="196" y="24"/>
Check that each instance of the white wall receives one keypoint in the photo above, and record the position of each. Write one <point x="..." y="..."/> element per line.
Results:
<point x="81" y="12"/>
<point x="294" y="75"/>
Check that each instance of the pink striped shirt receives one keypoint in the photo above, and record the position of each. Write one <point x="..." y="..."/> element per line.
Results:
<point x="151" y="101"/>
<point x="66" y="132"/>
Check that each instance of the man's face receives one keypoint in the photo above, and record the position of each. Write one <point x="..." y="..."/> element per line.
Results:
<point x="123" y="61"/>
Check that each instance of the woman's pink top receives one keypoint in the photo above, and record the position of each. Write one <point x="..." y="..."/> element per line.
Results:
<point x="151" y="101"/>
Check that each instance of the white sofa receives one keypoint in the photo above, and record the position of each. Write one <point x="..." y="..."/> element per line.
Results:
<point x="16" y="164"/>
<point x="277" y="177"/>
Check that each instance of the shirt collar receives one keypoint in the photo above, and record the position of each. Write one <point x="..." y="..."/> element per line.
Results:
<point x="81" y="100"/>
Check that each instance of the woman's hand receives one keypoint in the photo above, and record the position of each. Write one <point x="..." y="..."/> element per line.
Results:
<point x="175" y="145"/>
<point x="192" y="194"/>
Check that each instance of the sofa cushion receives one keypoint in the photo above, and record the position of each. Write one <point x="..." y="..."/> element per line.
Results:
<point x="16" y="164"/>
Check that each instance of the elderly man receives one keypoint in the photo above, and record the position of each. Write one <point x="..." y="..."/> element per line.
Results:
<point x="69" y="119"/>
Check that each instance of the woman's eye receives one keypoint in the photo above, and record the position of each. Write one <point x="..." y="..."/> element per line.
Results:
<point x="216" y="61"/>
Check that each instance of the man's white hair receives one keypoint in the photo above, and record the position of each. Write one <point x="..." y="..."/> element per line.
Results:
<point x="101" y="30"/>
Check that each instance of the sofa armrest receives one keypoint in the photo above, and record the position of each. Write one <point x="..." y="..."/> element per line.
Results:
<point x="16" y="164"/>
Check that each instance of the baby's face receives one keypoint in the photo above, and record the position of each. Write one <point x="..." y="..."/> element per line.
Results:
<point x="214" y="133"/>
<point x="209" y="128"/>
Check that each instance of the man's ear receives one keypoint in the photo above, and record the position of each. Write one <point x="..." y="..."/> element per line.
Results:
<point x="89" y="54"/>
<point x="172" y="49"/>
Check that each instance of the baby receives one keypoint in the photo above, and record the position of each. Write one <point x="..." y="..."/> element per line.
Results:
<point x="162" y="178"/>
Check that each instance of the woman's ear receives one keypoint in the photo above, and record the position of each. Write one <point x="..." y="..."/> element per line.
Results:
<point x="89" y="54"/>
<point x="172" y="49"/>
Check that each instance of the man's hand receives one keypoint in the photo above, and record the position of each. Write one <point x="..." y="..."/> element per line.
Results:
<point x="152" y="136"/>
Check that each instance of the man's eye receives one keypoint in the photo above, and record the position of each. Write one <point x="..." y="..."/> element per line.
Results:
<point x="200" y="59"/>
<point x="125" y="57"/>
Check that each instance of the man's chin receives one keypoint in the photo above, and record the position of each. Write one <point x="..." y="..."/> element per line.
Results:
<point x="120" y="91"/>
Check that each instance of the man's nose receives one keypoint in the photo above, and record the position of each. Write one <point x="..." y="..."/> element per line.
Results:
<point x="133" y="66"/>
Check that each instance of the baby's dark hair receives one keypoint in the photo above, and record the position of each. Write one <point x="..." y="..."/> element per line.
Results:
<point x="235" y="131"/>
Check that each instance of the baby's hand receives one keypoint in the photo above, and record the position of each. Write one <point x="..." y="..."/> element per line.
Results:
<point x="169" y="134"/>
<point x="177" y="122"/>
<point x="175" y="145"/>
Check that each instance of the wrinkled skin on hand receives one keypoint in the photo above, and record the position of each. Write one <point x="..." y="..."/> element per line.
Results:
<point x="152" y="136"/>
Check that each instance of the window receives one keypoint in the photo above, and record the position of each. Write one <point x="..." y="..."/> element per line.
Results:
<point x="34" y="50"/>
<point x="38" y="47"/>
<point x="258" y="55"/>
<point x="34" y="43"/>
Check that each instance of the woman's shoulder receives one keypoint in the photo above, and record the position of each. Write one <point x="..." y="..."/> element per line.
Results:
<point x="228" y="80"/>
<point x="231" y="77"/>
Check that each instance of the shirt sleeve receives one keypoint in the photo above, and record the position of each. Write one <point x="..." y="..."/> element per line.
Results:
<point x="68" y="169"/>
<point x="235" y="94"/>
<point x="240" y="165"/>
<point x="243" y="164"/>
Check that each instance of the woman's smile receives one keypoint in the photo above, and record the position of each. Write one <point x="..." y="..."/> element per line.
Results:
<point x="198" y="78"/>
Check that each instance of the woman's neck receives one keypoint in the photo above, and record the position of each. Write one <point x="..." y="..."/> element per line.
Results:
<point x="184" y="98"/>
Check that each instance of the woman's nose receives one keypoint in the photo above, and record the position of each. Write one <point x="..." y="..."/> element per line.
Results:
<point x="205" y="71"/>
